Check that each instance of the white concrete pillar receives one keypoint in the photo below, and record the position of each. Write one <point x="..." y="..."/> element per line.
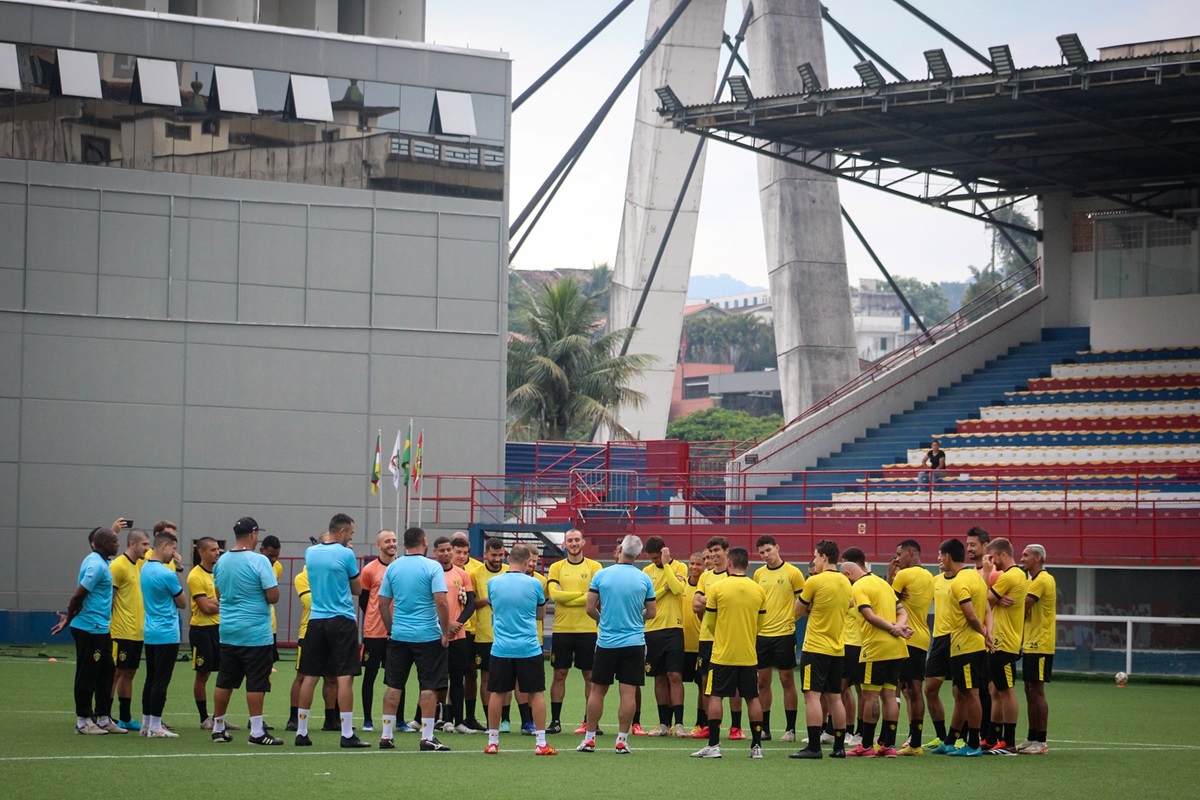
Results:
<point x="1057" y="224"/>
<point x="395" y="19"/>
<point x="659" y="156"/>
<point x="802" y="227"/>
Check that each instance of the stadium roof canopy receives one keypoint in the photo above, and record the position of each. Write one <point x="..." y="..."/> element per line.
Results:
<point x="1127" y="129"/>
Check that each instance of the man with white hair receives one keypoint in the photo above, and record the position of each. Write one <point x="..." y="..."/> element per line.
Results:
<point x="620" y="599"/>
<point x="1041" y="602"/>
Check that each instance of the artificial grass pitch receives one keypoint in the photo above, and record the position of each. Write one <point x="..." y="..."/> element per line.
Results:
<point x="1104" y="742"/>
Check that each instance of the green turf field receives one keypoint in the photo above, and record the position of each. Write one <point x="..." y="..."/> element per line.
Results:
<point x="1105" y="742"/>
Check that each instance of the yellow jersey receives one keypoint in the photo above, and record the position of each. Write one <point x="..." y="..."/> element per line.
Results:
<point x="472" y="564"/>
<point x="300" y="584"/>
<point x="737" y="605"/>
<point x="968" y="586"/>
<point x="1042" y="615"/>
<point x="278" y="567"/>
<point x="827" y="595"/>
<point x="200" y="584"/>
<point x="568" y="587"/>
<point x="854" y="622"/>
<point x="483" y="616"/>
<point x="872" y="591"/>
<point x="918" y="582"/>
<point x="708" y="581"/>
<point x="128" y="613"/>
<point x="670" y="582"/>
<point x="941" y="605"/>
<point x="1008" y="622"/>
<point x="782" y="585"/>
<point x="545" y="593"/>
<point x="691" y="622"/>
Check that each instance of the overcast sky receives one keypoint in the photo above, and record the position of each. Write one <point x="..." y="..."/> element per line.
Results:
<point x="581" y="227"/>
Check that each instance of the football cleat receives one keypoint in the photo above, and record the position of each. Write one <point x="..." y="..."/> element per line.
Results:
<point x="909" y="750"/>
<point x="587" y="746"/>
<point x="788" y="736"/>
<point x="527" y="729"/>
<point x="806" y="753"/>
<point x="736" y="735"/>
<point x="555" y="727"/>
<point x="491" y="749"/>
<point x="505" y="726"/>
<point x="433" y="746"/>
<point x="302" y="740"/>
<point x="134" y="725"/>
<point x="699" y="732"/>
<point x="659" y="730"/>
<point x="709" y="751"/>
<point x="387" y="744"/>
<point x="1036" y="749"/>
<point x="756" y="751"/>
<point x="621" y="749"/>
<point x="159" y="733"/>
<point x="861" y="752"/>
<point x="637" y="729"/>
<point x="544" y="750"/>
<point x="269" y="740"/>
<point x="222" y="736"/>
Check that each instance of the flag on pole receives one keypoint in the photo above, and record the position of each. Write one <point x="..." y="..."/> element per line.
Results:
<point x="394" y="464"/>
<point x="406" y="459"/>
<point x="375" y="466"/>
<point x="416" y="471"/>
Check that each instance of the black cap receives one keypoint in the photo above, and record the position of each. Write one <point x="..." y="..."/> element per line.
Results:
<point x="245" y="525"/>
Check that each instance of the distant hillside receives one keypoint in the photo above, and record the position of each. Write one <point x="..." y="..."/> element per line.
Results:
<point x="702" y="287"/>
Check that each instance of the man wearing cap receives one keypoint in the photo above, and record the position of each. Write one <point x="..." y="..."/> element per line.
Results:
<point x="246" y="589"/>
<point x="331" y="641"/>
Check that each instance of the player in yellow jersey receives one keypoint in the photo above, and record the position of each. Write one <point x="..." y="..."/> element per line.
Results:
<point x="852" y="676"/>
<point x="574" y="634"/>
<point x="460" y="542"/>
<point x="491" y="566"/>
<point x="937" y="666"/>
<point x="718" y="553"/>
<point x="884" y="633"/>
<point x="691" y="638"/>
<point x="1007" y="599"/>
<point x="824" y="600"/>
<point x="270" y="547"/>
<point x="913" y="584"/>
<point x="204" y="633"/>
<point x="664" y="634"/>
<point x="969" y="643"/>
<point x="735" y="610"/>
<point x="977" y="555"/>
<point x="777" y="640"/>
<point x="127" y="617"/>
<point x="1041" y="610"/>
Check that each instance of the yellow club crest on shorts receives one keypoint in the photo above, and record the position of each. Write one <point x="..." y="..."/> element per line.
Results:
<point x="96" y="655"/>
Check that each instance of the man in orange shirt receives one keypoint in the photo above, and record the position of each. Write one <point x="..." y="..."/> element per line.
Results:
<point x="460" y="602"/>
<point x="375" y="636"/>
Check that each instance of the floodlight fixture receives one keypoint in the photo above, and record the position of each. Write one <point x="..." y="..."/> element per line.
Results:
<point x="808" y="78"/>
<point x="1072" y="49"/>
<point x="1002" y="61"/>
<point x="871" y="77"/>
<point x="939" y="67"/>
<point x="740" y="88"/>
<point x="670" y="101"/>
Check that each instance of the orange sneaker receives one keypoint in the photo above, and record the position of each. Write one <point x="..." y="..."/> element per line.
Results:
<point x="492" y="749"/>
<point x="544" y="750"/>
<point x="637" y="730"/>
<point x="736" y="734"/>
<point x="582" y="729"/>
<point x="699" y="732"/>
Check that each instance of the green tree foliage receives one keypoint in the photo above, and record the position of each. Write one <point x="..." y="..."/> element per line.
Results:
<point x="565" y="375"/>
<point x="746" y="341"/>
<point x="927" y="299"/>
<point x="722" y="425"/>
<point x="1010" y="259"/>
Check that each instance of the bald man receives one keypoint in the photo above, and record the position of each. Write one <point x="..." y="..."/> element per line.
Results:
<point x="375" y="635"/>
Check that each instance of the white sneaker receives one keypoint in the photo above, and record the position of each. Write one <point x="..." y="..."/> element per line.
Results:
<point x="207" y="725"/>
<point x="159" y="733"/>
<point x="756" y="751"/>
<point x="679" y="732"/>
<point x="1035" y="749"/>
<point x="853" y="741"/>
<point x="448" y="727"/>
<point x="709" y="751"/>
<point x="1025" y="745"/>
<point x="90" y="728"/>
<point x="827" y="738"/>
<point x="461" y="728"/>
<point x="660" y="730"/>
<point x="788" y="736"/>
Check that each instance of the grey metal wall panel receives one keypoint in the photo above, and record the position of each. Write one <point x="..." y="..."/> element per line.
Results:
<point x="62" y="546"/>
<point x="119" y="435"/>
<point x="121" y="296"/>
<point x="406" y="265"/>
<point x="12" y="289"/>
<point x="411" y="223"/>
<point x="91" y="496"/>
<point x="468" y="270"/>
<point x="339" y="260"/>
<point x="337" y="308"/>
<point x="10" y="355"/>
<point x="416" y="384"/>
<point x="315" y="339"/>
<point x="12" y="234"/>
<point x="58" y="196"/>
<point x="209" y="208"/>
<point x="10" y="430"/>
<point x="405" y="312"/>
<point x="276" y="213"/>
<point x="103" y="370"/>
<point x="141" y="203"/>
<point x="134" y="244"/>
<point x="242" y="48"/>
<point x="248" y="488"/>
<point x="461" y="226"/>
<point x="49" y="249"/>
<point x="212" y="302"/>
<point x="8" y="553"/>
<point x="271" y="305"/>
<point x="468" y="315"/>
<point x="284" y="441"/>
<point x="269" y="378"/>
<point x="272" y="255"/>
<point x="61" y="292"/>
<point x="341" y="218"/>
<point x="17" y="22"/>
<point x="212" y="250"/>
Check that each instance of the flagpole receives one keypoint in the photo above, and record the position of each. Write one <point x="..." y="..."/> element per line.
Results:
<point x="407" y="473"/>
<point x="378" y="438"/>
<point x="420" y="477"/>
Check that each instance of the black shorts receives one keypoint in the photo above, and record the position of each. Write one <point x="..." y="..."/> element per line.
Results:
<point x="691" y="663"/>
<point x="251" y="663"/>
<point x="625" y="665"/>
<point x="206" y="647"/>
<point x="882" y="673"/>
<point x="481" y="654"/>
<point x="458" y="657"/>
<point x="969" y="671"/>
<point x="938" y="664"/>
<point x="299" y="652"/>
<point x="573" y="650"/>
<point x="526" y="674"/>
<point x="820" y="672"/>
<point x="776" y="652"/>
<point x="1002" y="669"/>
<point x="852" y="668"/>
<point x="727" y="681"/>
<point x="374" y="653"/>
<point x="330" y="647"/>
<point x="664" y="651"/>
<point x="913" y="668"/>
<point x="432" y="662"/>
<point x="1037" y="668"/>
<point x="127" y="653"/>
<point x="703" y="663"/>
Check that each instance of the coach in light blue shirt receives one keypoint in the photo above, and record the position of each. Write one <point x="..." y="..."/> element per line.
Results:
<point x="621" y="599"/>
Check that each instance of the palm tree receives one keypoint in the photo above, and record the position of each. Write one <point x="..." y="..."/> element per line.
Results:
<point x="565" y="375"/>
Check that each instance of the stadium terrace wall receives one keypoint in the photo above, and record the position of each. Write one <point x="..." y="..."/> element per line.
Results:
<point x="200" y="347"/>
